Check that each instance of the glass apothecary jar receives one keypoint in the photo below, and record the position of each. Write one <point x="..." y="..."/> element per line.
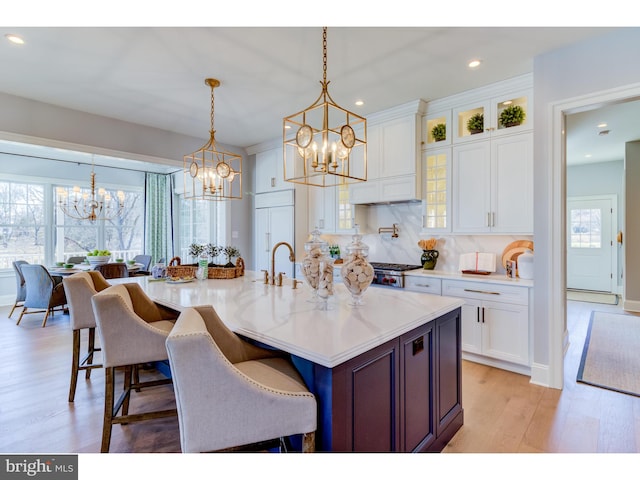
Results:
<point x="317" y="269"/>
<point x="357" y="272"/>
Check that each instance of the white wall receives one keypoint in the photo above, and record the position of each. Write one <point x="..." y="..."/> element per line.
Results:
<point x="578" y="71"/>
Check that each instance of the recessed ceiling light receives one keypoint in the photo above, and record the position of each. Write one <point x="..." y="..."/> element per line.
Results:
<point x="602" y="125"/>
<point x="13" y="38"/>
<point x="588" y="155"/>
<point x="287" y="127"/>
<point x="474" y="63"/>
<point x="359" y="103"/>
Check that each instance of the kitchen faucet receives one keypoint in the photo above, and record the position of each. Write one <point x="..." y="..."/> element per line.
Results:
<point x="292" y="257"/>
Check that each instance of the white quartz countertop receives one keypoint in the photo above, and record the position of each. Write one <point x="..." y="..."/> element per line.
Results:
<point x="495" y="278"/>
<point x="284" y="318"/>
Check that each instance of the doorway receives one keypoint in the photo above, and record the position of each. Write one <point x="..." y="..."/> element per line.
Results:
<point x="591" y="259"/>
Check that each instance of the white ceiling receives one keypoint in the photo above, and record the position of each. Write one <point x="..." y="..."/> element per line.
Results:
<point x="155" y="75"/>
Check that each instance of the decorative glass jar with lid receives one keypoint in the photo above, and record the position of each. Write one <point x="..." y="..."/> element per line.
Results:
<point x="357" y="272"/>
<point x="317" y="268"/>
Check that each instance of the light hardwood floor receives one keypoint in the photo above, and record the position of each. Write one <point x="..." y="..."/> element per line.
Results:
<point x="503" y="411"/>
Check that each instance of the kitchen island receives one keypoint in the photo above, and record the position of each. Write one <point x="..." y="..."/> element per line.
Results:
<point x="386" y="374"/>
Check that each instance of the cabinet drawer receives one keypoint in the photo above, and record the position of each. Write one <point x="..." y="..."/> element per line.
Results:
<point x="486" y="291"/>
<point x="423" y="284"/>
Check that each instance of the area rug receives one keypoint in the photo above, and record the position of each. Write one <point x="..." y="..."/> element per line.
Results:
<point x="592" y="297"/>
<point x="611" y="358"/>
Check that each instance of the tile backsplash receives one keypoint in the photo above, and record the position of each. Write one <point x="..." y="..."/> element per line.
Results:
<point x="405" y="249"/>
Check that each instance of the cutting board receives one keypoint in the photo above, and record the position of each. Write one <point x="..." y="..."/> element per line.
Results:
<point x="514" y="249"/>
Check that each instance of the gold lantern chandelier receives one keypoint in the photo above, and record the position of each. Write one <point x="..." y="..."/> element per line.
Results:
<point x="211" y="173"/>
<point x="325" y="145"/>
<point x="93" y="205"/>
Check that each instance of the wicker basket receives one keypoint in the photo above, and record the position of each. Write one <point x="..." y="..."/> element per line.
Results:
<point x="174" y="269"/>
<point x="221" y="273"/>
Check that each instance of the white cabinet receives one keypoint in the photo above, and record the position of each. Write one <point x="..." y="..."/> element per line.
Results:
<point x="274" y="222"/>
<point x="495" y="320"/>
<point x="331" y="211"/>
<point x="269" y="171"/>
<point x="491" y="111"/>
<point x="423" y="283"/>
<point x="436" y="168"/>
<point x="492" y="185"/>
<point x="393" y="161"/>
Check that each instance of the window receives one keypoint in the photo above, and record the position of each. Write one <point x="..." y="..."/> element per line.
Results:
<point x="201" y="222"/>
<point x="123" y="235"/>
<point x="22" y="223"/>
<point x="586" y="231"/>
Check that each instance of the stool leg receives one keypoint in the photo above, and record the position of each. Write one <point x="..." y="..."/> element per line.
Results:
<point x="127" y="389"/>
<point x="75" y="364"/>
<point x="108" y="408"/>
<point x="90" y="350"/>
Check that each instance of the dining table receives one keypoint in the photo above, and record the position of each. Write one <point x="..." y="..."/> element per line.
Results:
<point x="85" y="267"/>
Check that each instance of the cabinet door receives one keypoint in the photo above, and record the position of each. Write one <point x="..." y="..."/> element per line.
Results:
<point x="269" y="171"/>
<point x="273" y="225"/>
<point x="437" y="187"/>
<point x="471" y="326"/>
<point x="262" y="240"/>
<point x="505" y="332"/>
<point x="418" y="384"/>
<point x="374" y="151"/>
<point x="471" y="187"/>
<point x="398" y="145"/>
<point x="448" y="370"/>
<point x="512" y="184"/>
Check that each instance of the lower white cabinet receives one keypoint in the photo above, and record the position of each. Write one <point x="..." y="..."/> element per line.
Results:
<point x="495" y="322"/>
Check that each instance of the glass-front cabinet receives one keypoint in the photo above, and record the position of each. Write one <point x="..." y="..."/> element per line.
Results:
<point x="437" y="190"/>
<point x="437" y="130"/>
<point x="497" y="116"/>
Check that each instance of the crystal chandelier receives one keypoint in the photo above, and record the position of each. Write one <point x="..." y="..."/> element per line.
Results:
<point x="325" y="145"/>
<point x="93" y="205"/>
<point x="211" y="173"/>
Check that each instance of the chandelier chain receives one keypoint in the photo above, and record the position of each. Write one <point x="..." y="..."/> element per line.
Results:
<point x="324" y="55"/>
<point x="212" y="103"/>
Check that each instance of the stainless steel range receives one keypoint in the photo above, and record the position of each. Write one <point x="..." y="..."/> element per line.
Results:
<point x="390" y="274"/>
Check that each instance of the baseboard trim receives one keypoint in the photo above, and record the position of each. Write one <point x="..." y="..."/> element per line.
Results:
<point x="492" y="362"/>
<point x="631" y="305"/>
<point x="540" y="374"/>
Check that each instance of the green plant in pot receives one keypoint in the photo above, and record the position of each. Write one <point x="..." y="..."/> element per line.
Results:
<point x="512" y="116"/>
<point x="439" y="132"/>
<point x="475" y="124"/>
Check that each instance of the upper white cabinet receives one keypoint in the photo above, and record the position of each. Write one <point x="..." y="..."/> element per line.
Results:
<point x="332" y="213"/>
<point x="502" y="115"/>
<point x="393" y="156"/>
<point x="436" y="169"/>
<point x="269" y="171"/>
<point x="492" y="183"/>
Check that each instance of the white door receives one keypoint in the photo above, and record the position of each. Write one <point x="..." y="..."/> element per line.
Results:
<point x="590" y="249"/>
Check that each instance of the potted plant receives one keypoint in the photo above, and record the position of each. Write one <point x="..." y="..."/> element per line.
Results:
<point x="195" y="250"/>
<point x="212" y="252"/>
<point x="512" y="116"/>
<point x="475" y="124"/>
<point x="230" y="253"/>
<point x="439" y="132"/>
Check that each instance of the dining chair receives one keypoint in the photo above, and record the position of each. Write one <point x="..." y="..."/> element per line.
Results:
<point x="21" y="290"/>
<point x="112" y="270"/>
<point x="76" y="260"/>
<point x="132" y="330"/>
<point x="79" y="288"/>
<point x="44" y="292"/>
<point x="231" y="393"/>
<point x="145" y="260"/>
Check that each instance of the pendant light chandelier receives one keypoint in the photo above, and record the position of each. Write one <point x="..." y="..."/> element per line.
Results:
<point x="211" y="173"/>
<point x="325" y="145"/>
<point x="93" y="205"/>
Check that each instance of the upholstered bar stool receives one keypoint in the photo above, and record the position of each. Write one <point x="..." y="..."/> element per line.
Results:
<point x="230" y="393"/>
<point x="79" y="288"/>
<point x="133" y="330"/>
